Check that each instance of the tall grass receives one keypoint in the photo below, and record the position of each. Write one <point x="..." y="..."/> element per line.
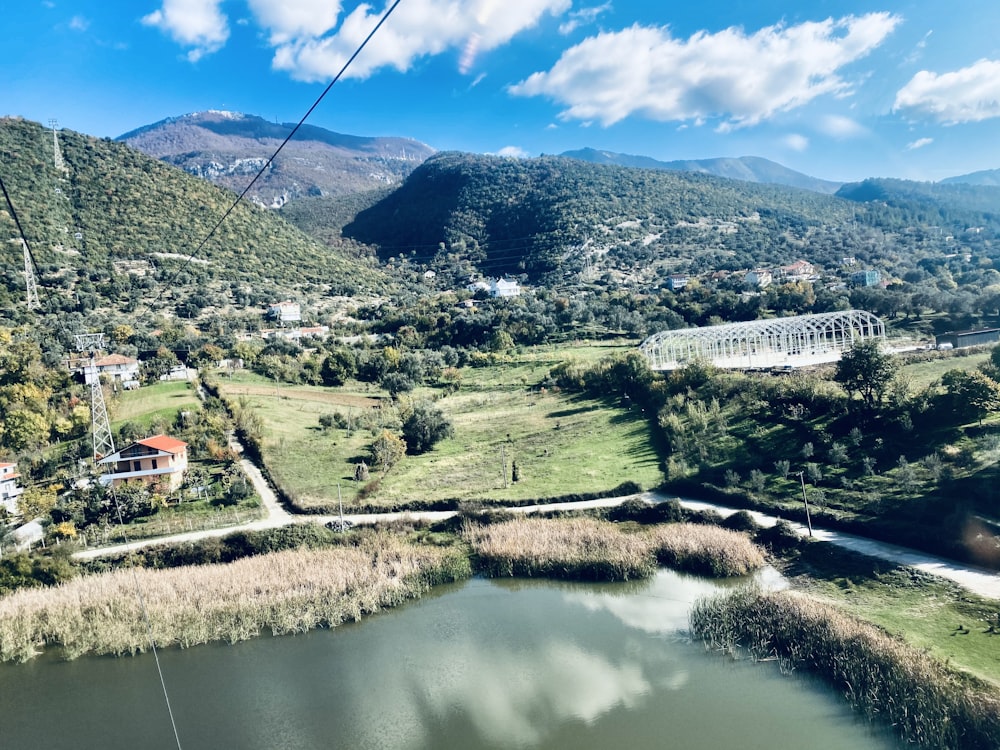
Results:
<point x="706" y="550"/>
<point x="927" y="703"/>
<point x="587" y="549"/>
<point x="284" y="592"/>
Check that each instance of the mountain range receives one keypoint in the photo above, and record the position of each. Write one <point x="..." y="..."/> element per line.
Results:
<point x="229" y="148"/>
<point x="746" y="168"/>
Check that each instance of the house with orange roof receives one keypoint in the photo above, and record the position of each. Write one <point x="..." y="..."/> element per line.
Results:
<point x="9" y="491"/>
<point x="117" y="368"/>
<point x="159" y="460"/>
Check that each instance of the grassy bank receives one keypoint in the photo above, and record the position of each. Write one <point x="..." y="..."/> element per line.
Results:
<point x="286" y="592"/>
<point x="927" y="703"/>
<point x="587" y="549"/>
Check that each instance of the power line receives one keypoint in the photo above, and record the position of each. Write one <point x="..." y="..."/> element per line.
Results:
<point x="29" y="259"/>
<point x="271" y="159"/>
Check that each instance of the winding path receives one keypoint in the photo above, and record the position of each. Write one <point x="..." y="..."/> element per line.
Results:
<point x="979" y="581"/>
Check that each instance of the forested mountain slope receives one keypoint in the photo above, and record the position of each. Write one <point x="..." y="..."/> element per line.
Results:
<point x="112" y="228"/>
<point x="559" y="220"/>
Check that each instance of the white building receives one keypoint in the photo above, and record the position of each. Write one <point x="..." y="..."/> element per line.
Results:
<point x="285" y="312"/>
<point x="159" y="461"/>
<point x="503" y="288"/>
<point x="9" y="491"/>
<point x="758" y="278"/>
<point x="117" y="368"/>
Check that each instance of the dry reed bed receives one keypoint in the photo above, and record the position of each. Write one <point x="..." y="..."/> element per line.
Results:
<point x="284" y="592"/>
<point x="927" y="703"/>
<point x="583" y="548"/>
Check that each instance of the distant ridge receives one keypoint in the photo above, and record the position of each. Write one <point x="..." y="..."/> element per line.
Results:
<point x="228" y="148"/>
<point x="989" y="177"/>
<point x="746" y="168"/>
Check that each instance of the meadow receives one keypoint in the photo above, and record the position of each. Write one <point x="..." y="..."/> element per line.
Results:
<point x="562" y="444"/>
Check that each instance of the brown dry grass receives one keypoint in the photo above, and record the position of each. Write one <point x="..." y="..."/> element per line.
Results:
<point x="595" y="550"/>
<point x="926" y="702"/>
<point x="285" y="592"/>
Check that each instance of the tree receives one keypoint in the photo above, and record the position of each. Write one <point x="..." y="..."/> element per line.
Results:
<point x="425" y="426"/>
<point x="338" y="366"/>
<point x="387" y="450"/>
<point x="971" y="395"/>
<point x="866" y="370"/>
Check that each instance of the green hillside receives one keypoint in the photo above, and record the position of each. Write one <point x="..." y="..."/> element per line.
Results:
<point x="560" y="220"/>
<point x="113" y="231"/>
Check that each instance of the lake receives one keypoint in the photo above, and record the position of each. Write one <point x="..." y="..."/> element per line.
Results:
<point x="481" y="664"/>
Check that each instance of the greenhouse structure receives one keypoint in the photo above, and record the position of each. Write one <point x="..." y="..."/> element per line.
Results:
<point x="775" y="343"/>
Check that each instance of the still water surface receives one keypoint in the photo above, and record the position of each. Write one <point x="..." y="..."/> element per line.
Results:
<point x="483" y="664"/>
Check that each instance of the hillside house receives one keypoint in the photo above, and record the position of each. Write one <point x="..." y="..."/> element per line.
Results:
<point x="9" y="491"/>
<point x="285" y="312"/>
<point x="118" y="369"/>
<point x="868" y="277"/>
<point x="503" y="288"/>
<point x="800" y="270"/>
<point x="677" y="281"/>
<point x="758" y="278"/>
<point x="159" y="461"/>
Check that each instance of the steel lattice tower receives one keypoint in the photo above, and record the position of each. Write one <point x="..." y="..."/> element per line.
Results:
<point x="56" y="153"/>
<point x="29" y="279"/>
<point x="104" y="444"/>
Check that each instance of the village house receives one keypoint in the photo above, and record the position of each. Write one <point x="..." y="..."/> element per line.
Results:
<point x="285" y="312"/>
<point x="758" y="278"/>
<point x="9" y="491"/>
<point x="503" y="288"/>
<point x="118" y="369"/>
<point x="677" y="281"/>
<point x="800" y="270"/>
<point x="159" y="460"/>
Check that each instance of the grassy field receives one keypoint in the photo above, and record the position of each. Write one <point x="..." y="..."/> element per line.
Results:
<point x="160" y="401"/>
<point x="561" y="445"/>
<point x="930" y="613"/>
<point x="919" y="375"/>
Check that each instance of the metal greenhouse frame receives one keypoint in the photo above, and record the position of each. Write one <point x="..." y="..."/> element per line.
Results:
<point x="775" y="342"/>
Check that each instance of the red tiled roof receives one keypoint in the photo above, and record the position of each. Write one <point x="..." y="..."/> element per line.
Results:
<point x="163" y="443"/>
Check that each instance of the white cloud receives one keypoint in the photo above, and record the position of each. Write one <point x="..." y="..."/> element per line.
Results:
<point x="796" y="142"/>
<point x="743" y="78"/>
<point x="292" y="19"/>
<point x="79" y="23"/>
<point x="839" y="126"/>
<point x="919" y="143"/>
<point x="417" y="28"/>
<point x="582" y="17"/>
<point x="198" y="24"/>
<point x="514" y="152"/>
<point x="970" y="94"/>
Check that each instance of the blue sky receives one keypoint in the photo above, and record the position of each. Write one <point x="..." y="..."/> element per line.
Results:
<point x="841" y="90"/>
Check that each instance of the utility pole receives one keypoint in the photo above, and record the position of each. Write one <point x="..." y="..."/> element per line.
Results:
<point x="104" y="444"/>
<point x="805" y="502"/>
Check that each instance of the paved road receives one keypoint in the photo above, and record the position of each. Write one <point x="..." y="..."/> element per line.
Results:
<point x="982" y="582"/>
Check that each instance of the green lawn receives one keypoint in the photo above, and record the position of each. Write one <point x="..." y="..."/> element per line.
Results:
<point x="922" y="374"/>
<point x="930" y="613"/>
<point x="151" y="402"/>
<point x="562" y="445"/>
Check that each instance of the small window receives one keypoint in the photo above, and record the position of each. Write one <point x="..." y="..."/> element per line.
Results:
<point x="154" y="463"/>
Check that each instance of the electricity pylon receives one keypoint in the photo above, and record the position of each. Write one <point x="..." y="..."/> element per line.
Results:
<point x="57" y="158"/>
<point x="29" y="279"/>
<point x="104" y="444"/>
